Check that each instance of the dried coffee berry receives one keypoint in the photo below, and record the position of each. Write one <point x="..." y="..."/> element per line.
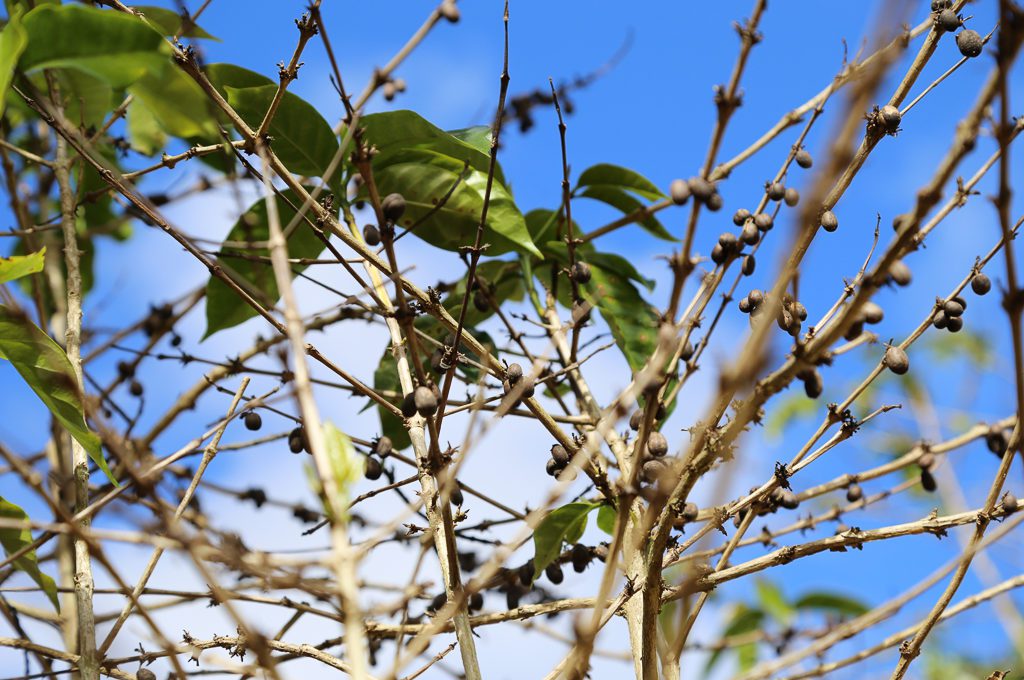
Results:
<point x="554" y="573"/>
<point x="514" y="373"/>
<point x="383" y="446"/>
<point x="900" y="274"/>
<point x="136" y="388"/>
<point x="928" y="481"/>
<point x="750" y="234"/>
<point x="685" y="355"/>
<point x="714" y="202"/>
<point x="804" y="159"/>
<point x="679" y="190"/>
<point x="373" y="469"/>
<point x="955" y="324"/>
<point x="981" y="284"/>
<point x="437" y="603"/>
<point x="764" y="221"/>
<point x="690" y="512"/>
<point x="125" y="370"/>
<point x="940" y="320"/>
<point x="939" y="5"/>
<point x="560" y="455"/>
<point x="371" y="235"/>
<point x="581" y="557"/>
<point x="437" y="361"/>
<point x="481" y="302"/>
<point x="996" y="441"/>
<point x="525" y="573"/>
<point x="896" y="360"/>
<point x="581" y="272"/>
<point x="854" y="331"/>
<point x="393" y="207"/>
<point x="425" y="401"/>
<point x="552" y="468"/>
<point x="747" y="268"/>
<point x="652" y="470"/>
<point x="701" y="189"/>
<point x="756" y="297"/>
<point x="718" y="254"/>
<point x="635" y="420"/>
<point x="890" y="117"/>
<point x="145" y="674"/>
<point x="512" y="596"/>
<point x="953" y="308"/>
<point x="813" y="385"/>
<point x="776" y="191"/>
<point x="947" y="20"/>
<point x="969" y="43"/>
<point x="872" y="313"/>
<point x="252" y="421"/>
<point x="457" y="499"/>
<point x="792" y="197"/>
<point x="657" y="445"/>
<point x="744" y="305"/>
<point x="1009" y="503"/>
<point x="740" y="217"/>
<point x="297" y="440"/>
<point x="476" y="601"/>
<point x="854" y="493"/>
<point x="789" y="500"/>
<point x="409" y="406"/>
<point x="828" y="221"/>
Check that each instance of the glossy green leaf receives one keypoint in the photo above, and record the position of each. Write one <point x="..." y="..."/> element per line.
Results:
<point x="623" y="178"/>
<point x="250" y="267"/>
<point x="385" y="379"/>
<point x="346" y="465"/>
<point x="398" y="131"/>
<point x="13" y="40"/>
<point x="169" y="22"/>
<point x="177" y="103"/>
<point x="831" y="602"/>
<point x="626" y="204"/>
<point x="302" y="139"/>
<point x="87" y="99"/>
<point x="425" y="177"/>
<point x="14" y="540"/>
<point x="145" y="133"/>
<point x="45" y="367"/>
<point x="631" y="319"/>
<point x="543" y="225"/>
<point x="112" y="46"/>
<point x="562" y="525"/>
<point x="478" y="137"/>
<point x="17" y="266"/>
<point x="606" y="516"/>
<point x="773" y="602"/>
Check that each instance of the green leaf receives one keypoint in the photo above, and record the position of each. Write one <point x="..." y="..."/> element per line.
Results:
<point x="112" y="46"/>
<point x="479" y="137"/>
<point x="606" y="516"/>
<point x="45" y="367"/>
<point x="632" y="321"/>
<point x="177" y="103"/>
<point x="346" y="464"/>
<point x="504" y="280"/>
<point x="831" y="602"/>
<point x="562" y="525"/>
<point x="772" y="601"/>
<point x="13" y="40"/>
<point x="743" y="620"/>
<point x="623" y="178"/>
<point x="542" y="225"/>
<point x="16" y="266"/>
<point x="626" y="204"/>
<point x="14" y="540"/>
<point x="144" y="130"/>
<point x="224" y="309"/>
<point x="87" y="99"/>
<point x="302" y="139"/>
<point x="385" y="379"/>
<point x="168" y="22"/>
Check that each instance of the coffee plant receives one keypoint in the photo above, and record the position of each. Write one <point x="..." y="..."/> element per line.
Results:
<point x="411" y="426"/>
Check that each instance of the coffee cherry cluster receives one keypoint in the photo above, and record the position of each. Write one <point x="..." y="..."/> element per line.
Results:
<point x="701" y="189"/>
<point x="297" y="440"/>
<point x="950" y="314"/>
<point x="778" y="498"/>
<point x="516" y="381"/>
<point x="423" y="401"/>
<point x="559" y="466"/>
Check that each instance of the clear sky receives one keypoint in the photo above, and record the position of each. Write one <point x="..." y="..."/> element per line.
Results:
<point x="652" y="112"/>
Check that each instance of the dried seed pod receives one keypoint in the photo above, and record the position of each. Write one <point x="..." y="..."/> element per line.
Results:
<point x="297" y="440"/>
<point x="728" y="241"/>
<point x="740" y="217"/>
<point x="652" y="470"/>
<point x="900" y="274"/>
<point x="749" y="234"/>
<point x="764" y="221"/>
<point x="512" y="596"/>
<point x="747" y="268"/>
<point x="145" y="674"/>
<point x="481" y="302"/>
<point x="438" y="602"/>
<point x="792" y="197"/>
<point x="828" y="221"/>
<point x="854" y="493"/>
<point x="373" y="468"/>
<point x="393" y="206"/>
<point x="476" y="601"/>
<point x="996" y="441"/>
<point x="679" y="190"/>
<point x="580" y="272"/>
<point x="970" y="43"/>
<point x="789" y="500"/>
<point x="896" y="360"/>
<point x="554" y="573"/>
<point x="125" y="370"/>
<point x="552" y="468"/>
<point x="804" y="159"/>
<point x="854" y="331"/>
<point x="657" y="445"/>
<point x="685" y="355"/>
<point x="136" y="388"/>
<point x="371" y="235"/>
<point x="581" y="557"/>
<point x="776" y="191"/>
<point x="253" y="421"/>
<point x="756" y="297"/>
<point x="744" y="305"/>
<point x="981" y="284"/>
<point x="890" y="117"/>
<point x="800" y="311"/>
<point x="928" y="481"/>
<point x="718" y="254"/>
<point x="953" y="308"/>
<point x="872" y="313"/>
<point x="457" y="498"/>
<point x="408" y="406"/>
<point x="690" y="512"/>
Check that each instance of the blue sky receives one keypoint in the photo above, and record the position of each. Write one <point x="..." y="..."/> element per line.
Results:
<point x="652" y="113"/>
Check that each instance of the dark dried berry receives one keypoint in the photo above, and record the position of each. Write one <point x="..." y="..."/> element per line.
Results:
<point x="996" y="441"/>
<point x="749" y="234"/>
<point x="657" y="445"/>
<point x="744" y="305"/>
<point x="701" y="189"/>
<point x="297" y="440"/>
<point x="554" y="573"/>
<point x="947" y="20"/>
<point x="928" y="481"/>
<point x="437" y="361"/>
<point x="679" y="190"/>
<point x="252" y="421"/>
<point x="425" y="401"/>
<point x="373" y="469"/>
<point x="854" y="493"/>
<point x="955" y="324"/>
<point x="371" y="235"/>
<point x="728" y="241"/>
<point x="685" y="355"/>
<point x="872" y="313"/>
<point x="690" y="512"/>
<point x="813" y="385"/>
<point x="854" y="331"/>
<point x="476" y="601"/>
<point x="635" y="420"/>
<point x="552" y="468"/>
<point x="900" y="274"/>
<point x="408" y="406"/>
<point x="789" y="500"/>
<point x="514" y="373"/>
<point x="776" y="191"/>
<point x="383" y="447"/>
<point x="803" y="159"/>
<point x="829" y="222"/>
<point x="740" y="217"/>
<point x="953" y="308"/>
<point x="525" y="573"/>
<point x="581" y="557"/>
<point x="480" y="301"/>
<point x="457" y="499"/>
<point x="560" y="455"/>
<point x="393" y="207"/>
<point x="890" y="117"/>
<point x="136" y="388"/>
<point x="714" y="202"/>
<point x="125" y="369"/>
<point x="981" y="284"/>
<point x="800" y="311"/>
<point x="940" y="320"/>
<point x="145" y="674"/>
<point x="719" y="254"/>
<point x="792" y="197"/>
<point x="939" y="5"/>
<point x="756" y="297"/>
<point x="764" y="221"/>
<point x="581" y="272"/>
<point x="896" y="360"/>
<point x="1009" y="503"/>
<point x="652" y="470"/>
<point x="749" y="263"/>
<point x="437" y="603"/>
<point x="970" y="43"/>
